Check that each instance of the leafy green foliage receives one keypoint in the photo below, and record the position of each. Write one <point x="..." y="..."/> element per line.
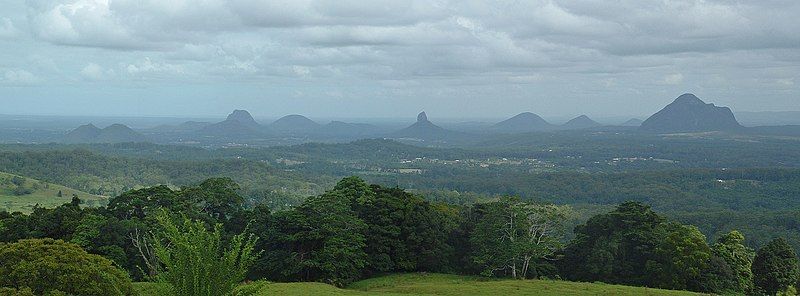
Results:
<point x="634" y="245"/>
<point x="737" y="259"/>
<point x="49" y="266"/>
<point x="680" y="258"/>
<point x="511" y="236"/>
<point x="775" y="267"/>
<point x="196" y="260"/>
<point x="614" y="247"/>
<point x="320" y="240"/>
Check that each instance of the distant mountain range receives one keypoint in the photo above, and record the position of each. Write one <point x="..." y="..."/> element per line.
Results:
<point x="115" y="133"/>
<point x="530" y="122"/>
<point x="687" y="113"/>
<point x="690" y="114"/>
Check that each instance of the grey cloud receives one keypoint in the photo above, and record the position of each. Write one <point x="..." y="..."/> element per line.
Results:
<point x="526" y="51"/>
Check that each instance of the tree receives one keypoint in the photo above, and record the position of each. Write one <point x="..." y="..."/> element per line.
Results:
<point x="196" y="261"/>
<point x="775" y="267"/>
<point x="405" y="233"/>
<point x="510" y="235"/>
<point x="143" y="202"/>
<point x="48" y="266"/>
<point x="320" y="240"/>
<point x="17" y="180"/>
<point x="217" y="197"/>
<point x="738" y="258"/>
<point x="680" y="258"/>
<point x="614" y="247"/>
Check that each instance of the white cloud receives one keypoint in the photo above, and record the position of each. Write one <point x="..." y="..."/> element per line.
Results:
<point x="19" y="77"/>
<point x="673" y="79"/>
<point x="147" y="66"/>
<point x="83" y="23"/>
<point x="94" y="71"/>
<point x="416" y="47"/>
<point x="300" y="70"/>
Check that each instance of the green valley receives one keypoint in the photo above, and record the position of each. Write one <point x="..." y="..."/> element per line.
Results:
<point x="23" y="194"/>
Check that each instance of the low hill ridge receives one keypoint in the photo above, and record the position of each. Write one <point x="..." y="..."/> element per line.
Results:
<point x="294" y="123"/>
<point x="115" y="133"/>
<point x="581" y="122"/>
<point x="523" y="122"/>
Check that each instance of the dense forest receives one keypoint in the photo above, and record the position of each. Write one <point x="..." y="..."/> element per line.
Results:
<point x="761" y="202"/>
<point x="675" y="213"/>
<point x="357" y="230"/>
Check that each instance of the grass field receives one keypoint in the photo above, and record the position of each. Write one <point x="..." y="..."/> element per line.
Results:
<point x="42" y="193"/>
<point x="436" y="284"/>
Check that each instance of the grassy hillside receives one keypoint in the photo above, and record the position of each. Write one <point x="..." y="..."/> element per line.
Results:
<point x="19" y="193"/>
<point x="435" y="284"/>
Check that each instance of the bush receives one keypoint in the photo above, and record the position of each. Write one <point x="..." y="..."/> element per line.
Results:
<point x="54" y="267"/>
<point x="20" y="190"/>
<point x="196" y="260"/>
<point x="14" y="292"/>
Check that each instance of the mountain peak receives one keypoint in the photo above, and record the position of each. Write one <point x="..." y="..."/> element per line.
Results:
<point x="581" y="122"/>
<point x="243" y="117"/>
<point x="689" y="99"/>
<point x="115" y="133"/>
<point x="88" y="128"/>
<point x="523" y="122"/>
<point x="422" y="117"/>
<point x="690" y="114"/>
<point x="582" y="117"/>
<point x="117" y="126"/>
<point x="294" y="123"/>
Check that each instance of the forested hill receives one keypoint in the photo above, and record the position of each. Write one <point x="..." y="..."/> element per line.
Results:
<point x="110" y="175"/>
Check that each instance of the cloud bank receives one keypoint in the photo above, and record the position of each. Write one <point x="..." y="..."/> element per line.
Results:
<point x="540" y="54"/>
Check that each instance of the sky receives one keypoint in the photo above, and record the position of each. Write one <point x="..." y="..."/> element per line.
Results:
<point x="348" y="58"/>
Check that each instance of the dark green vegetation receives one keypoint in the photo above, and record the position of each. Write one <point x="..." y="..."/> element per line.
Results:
<point x="775" y="267"/>
<point x="194" y="260"/>
<point x="717" y="182"/>
<point x="50" y="266"/>
<point x="357" y="230"/>
<point x="633" y="245"/>
<point x="453" y="216"/>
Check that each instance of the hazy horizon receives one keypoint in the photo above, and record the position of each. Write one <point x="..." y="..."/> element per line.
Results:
<point x="392" y="59"/>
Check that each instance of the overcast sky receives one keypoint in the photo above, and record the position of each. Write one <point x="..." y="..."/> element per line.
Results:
<point x="375" y="58"/>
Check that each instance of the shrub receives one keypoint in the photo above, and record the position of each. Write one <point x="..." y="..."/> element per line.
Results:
<point x="54" y="267"/>
<point x="196" y="261"/>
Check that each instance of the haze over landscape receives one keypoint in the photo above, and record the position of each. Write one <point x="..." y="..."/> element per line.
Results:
<point x="304" y="147"/>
